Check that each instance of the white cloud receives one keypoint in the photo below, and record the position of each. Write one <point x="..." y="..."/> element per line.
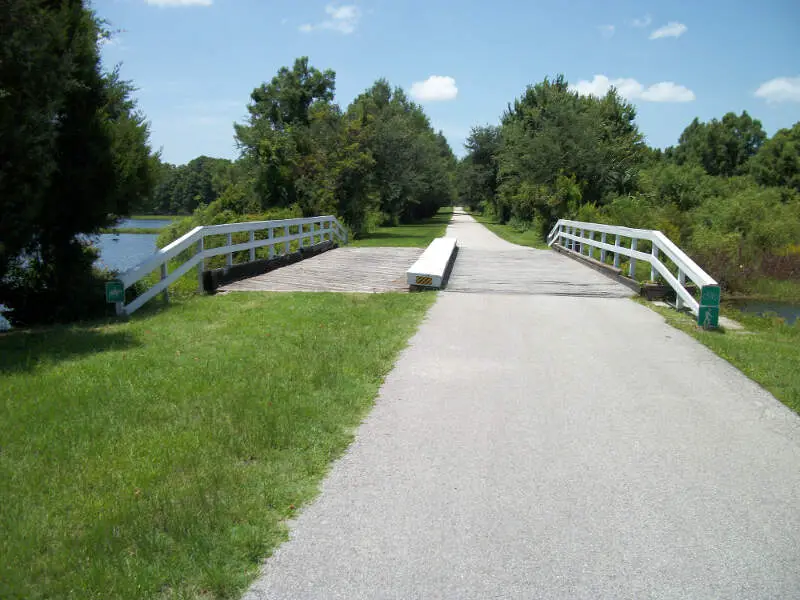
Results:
<point x="179" y="2"/>
<point x="667" y="91"/>
<point x="343" y="19"/>
<point x="643" y="22"/>
<point x="630" y="89"/>
<point x="434" y="88"/>
<point x="780" y="89"/>
<point x="671" y="29"/>
<point x="606" y="30"/>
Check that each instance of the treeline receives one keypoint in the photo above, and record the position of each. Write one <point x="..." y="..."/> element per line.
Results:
<point x="377" y="162"/>
<point x="726" y="193"/>
<point x="74" y="156"/>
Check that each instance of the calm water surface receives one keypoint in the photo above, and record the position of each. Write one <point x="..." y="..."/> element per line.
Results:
<point x="789" y="311"/>
<point x="123" y="251"/>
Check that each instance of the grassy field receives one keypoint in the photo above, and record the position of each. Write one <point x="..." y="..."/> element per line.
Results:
<point x="417" y="235"/>
<point x="159" y="458"/>
<point x="767" y="352"/>
<point x="528" y="237"/>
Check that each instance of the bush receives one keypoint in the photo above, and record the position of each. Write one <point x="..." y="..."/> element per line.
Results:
<point x="79" y="293"/>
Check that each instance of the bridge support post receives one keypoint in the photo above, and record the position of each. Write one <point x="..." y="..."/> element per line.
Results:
<point x="682" y="281"/>
<point x="163" y="277"/>
<point x="632" y="264"/>
<point x="589" y="246"/>
<point x="229" y="255"/>
<point x="252" y="250"/>
<point x="616" y="254"/>
<point x="201" y="265"/>
<point x="270" y="235"/>
<point x="653" y="272"/>
<point x="571" y="243"/>
<point x="603" y="238"/>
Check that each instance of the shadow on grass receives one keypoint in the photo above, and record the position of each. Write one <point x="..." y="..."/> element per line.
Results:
<point x="25" y="350"/>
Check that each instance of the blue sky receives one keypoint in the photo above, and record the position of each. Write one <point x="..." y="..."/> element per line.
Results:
<point x="195" y="62"/>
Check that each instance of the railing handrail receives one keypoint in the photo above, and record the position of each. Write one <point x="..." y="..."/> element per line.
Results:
<point x="196" y="238"/>
<point x="565" y="229"/>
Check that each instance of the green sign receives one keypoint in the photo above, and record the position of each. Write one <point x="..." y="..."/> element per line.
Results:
<point x="115" y="291"/>
<point x="709" y="295"/>
<point x="708" y="317"/>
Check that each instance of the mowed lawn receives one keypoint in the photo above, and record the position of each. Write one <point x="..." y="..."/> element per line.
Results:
<point x="160" y="458"/>
<point x="417" y="235"/>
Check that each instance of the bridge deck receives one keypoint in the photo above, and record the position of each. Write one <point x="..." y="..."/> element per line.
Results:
<point x="371" y="270"/>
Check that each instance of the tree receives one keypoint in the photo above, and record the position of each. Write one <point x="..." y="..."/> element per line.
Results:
<point x="74" y="149"/>
<point x="721" y="147"/>
<point x="560" y="149"/>
<point x="276" y="136"/>
<point x="778" y="160"/>
<point x="477" y="183"/>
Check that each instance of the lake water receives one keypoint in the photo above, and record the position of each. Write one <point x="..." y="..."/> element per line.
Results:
<point x="789" y="311"/>
<point x="143" y="223"/>
<point x="123" y="251"/>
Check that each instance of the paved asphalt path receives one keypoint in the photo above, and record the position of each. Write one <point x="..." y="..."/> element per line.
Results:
<point x="536" y="445"/>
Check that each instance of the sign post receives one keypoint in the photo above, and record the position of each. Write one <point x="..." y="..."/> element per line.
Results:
<point x="708" y="313"/>
<point x="115" y="294"/>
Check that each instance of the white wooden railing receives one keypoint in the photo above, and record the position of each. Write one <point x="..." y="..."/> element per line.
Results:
<point x="580" y="237"/>
<point x="309" y="231"/>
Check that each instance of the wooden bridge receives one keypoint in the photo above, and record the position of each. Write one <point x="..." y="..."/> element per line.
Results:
<point x="311" y="255"/>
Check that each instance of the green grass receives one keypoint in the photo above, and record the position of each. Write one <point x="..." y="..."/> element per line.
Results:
<point x="529" y="237"/>
<point x="160" y="458"/>
<point x="771" y="289"/>
<point x="137" y="230"/>
<point x="767" y="352"/>
<point x="417" y="235"/>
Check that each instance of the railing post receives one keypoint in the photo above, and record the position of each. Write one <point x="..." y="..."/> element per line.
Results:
<point x="682" y="281"/>
<point x="653" y="271"/>
<point x="201" y="265"/>
<point x="616" y="254"/>
<point x="270" y="235"/>
<point x="632" y="264"/>
<point x="589" y="246"/>
<point x="252" y="241"/>
<point x="286" y="246"/>
<point x="580" y="243"/>
<point x="603" y="250"/>
<point x="229" y="256"/>
<point x="163" y="277"/>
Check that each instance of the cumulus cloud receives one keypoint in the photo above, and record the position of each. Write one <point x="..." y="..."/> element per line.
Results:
<point x="643" y="22"/>
<point x="342" y="19"/>
<point x="630" y="89"/>
<point x="606" y="30"/>
<point x="179" y="2"/>
<point x="671" y="29"/>
<point x="780" y="89"/>
<point x="434" y="88"/>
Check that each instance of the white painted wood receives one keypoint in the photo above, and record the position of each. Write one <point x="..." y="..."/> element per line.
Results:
<point x="433" y="263"/>
<point x="196" y="239"/>
<point x="163" y="277"/>
<point x="563" y="233"/>
<point x="201" y="264"/>
<point x="603" y="250"/>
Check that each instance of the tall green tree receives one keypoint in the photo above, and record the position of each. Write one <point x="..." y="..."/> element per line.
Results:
<point x="477" y="179"/>
<point x="721" y="147"/>
<point x="778" y="160"/>
<point x="73" y="149"/>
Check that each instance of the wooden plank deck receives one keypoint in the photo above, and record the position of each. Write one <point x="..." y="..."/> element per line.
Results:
<point x="369" y="270"/>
